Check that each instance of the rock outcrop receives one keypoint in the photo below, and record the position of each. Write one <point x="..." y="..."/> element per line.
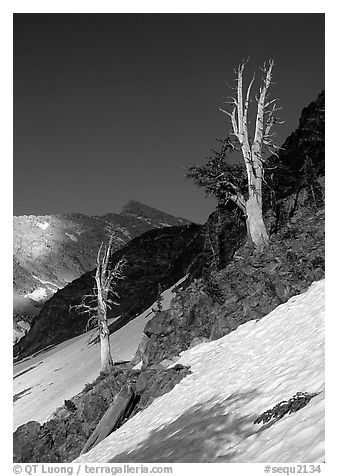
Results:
<point x="62" y="438"/>
<point x="248" y="288"/>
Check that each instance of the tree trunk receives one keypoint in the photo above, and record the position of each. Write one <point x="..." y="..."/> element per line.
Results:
<point x="252" y="150"/>
<point x="255" y="223"/>
<point x="254" y="212"/>
<point x="122" y="405"/>
<point x="106" y="358"/>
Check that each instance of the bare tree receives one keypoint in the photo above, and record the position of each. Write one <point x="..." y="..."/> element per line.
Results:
<point x="103" y="298"/>
<point x="254" y="151"/>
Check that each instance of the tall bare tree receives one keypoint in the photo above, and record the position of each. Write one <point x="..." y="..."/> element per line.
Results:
<point x="252" y="149"/>
<point x="103" y="297"/>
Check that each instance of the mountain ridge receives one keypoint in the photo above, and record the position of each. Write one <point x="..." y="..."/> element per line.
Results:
<point x="52" y="250"/>
<point x="223" y="233"/>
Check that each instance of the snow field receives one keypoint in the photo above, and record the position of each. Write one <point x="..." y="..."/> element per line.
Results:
<point x="43" y="225"/>
<point x="21" y="328"/>
<point x="42" y="383"/>
<point x="209" y="415"/>
<point x="37" y="295"/>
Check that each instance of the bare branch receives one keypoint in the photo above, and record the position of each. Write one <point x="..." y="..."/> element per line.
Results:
<point x="267" y="104"/>
<point x="234" y="124"/>
<point x="239" y="200"/>
<point x="273" y="152"/>
<point x="234" y="100"/>
<point x="240" y="70"/>
<point x="224" y="111"/>
<point x="246" y="106"/>
<point x="230" y="87"/>
<point x="258" y="138"/>
<point x="90" y="320"/>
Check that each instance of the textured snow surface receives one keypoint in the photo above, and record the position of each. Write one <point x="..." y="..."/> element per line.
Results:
<point x="37" y="295"/>
<point x="48" y="283"/>
<point x="42" y="383"/>
<point x="20" y="330"/>
<point x="208" y="416"/>
<point x="43" y="225"/>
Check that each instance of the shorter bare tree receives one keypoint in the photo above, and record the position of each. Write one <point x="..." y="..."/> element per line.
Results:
<point x="103" y="298"/>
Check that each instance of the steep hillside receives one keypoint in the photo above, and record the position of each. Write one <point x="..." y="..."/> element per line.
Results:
<point x="213" y="414"/>
<point x="213" y="245"/>
<point x="42" y="382"/>
<point x="301" y="158"/>
<point x="219" y="303"/>
<point x="158" y="256"/>
<point x="248" y="288"/>
<point x="247" y="344"/>
<point x="51" y="251"/>
<point x="219" y="412"/>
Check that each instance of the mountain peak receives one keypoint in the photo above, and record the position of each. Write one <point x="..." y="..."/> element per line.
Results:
<point x="133" y="206"/>
<point x="152" y="214"/>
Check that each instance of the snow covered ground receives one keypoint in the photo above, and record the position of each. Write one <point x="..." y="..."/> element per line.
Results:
<point x="20" y="330"/>
<point x="39" y="294"/>
<point x="43" y="225"/>
<point x="42" y="383"/>
<point x="209" y="415"/>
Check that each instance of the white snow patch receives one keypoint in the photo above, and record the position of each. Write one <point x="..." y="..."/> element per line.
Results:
<point x="43" y="225"/>
<point x="37" y="295"/>
<point x="72" y="237"/>
<point x="46" y="282"/>
<point x="138" y="366"/>
<point x="17" y="335"/>
<point x="62" y="372"/>
<point x="24" y="325"/>
<point x="209" y="415"/>
<point x="20" y="330"/>
<point x="139" y="217"/>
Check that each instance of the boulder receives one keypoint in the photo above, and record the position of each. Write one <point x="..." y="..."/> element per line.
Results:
<point x="24" y="440"/>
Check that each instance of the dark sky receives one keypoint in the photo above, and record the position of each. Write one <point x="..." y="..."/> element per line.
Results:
<point x="112" y="107"/>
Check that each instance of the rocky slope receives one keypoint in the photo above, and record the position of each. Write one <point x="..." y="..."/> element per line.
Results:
<point x="158" y="256"/>
<point x="301" y="158"/>
<point x="227" y="287"/>
<point x="254" y="396"/>
<point x="242" y="368"/>
<point x="247" y="289"/>
<point x="51" y="251"/>
<point x="215" y="305"/>
<point x="228" y="294"/>
<point x="166" y="255"/>
<point x="62" y="438"/>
